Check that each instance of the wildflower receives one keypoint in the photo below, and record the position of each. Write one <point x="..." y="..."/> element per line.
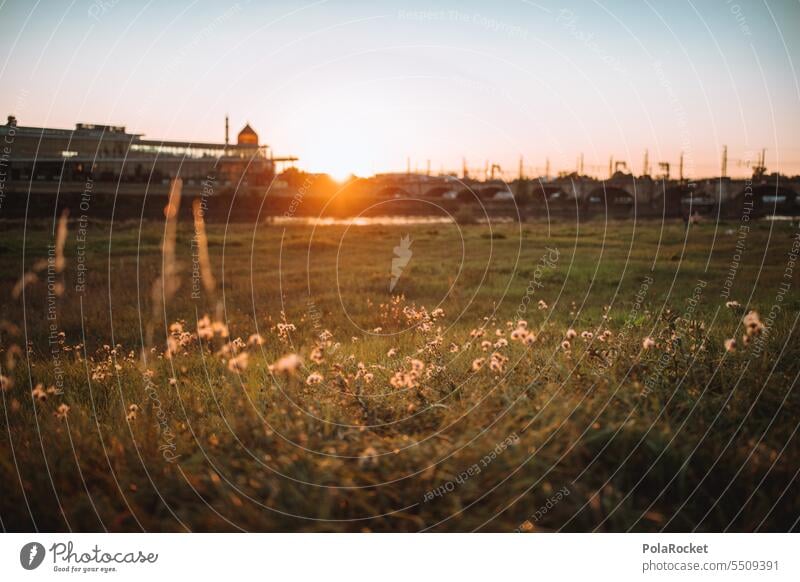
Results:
<point x="542" y="305"/>
<point x="730" y="345"/>
<point x="6" y="383"/>
<point x="437" y="313"/>
<point x="498" y="362"/>
<point x="172" y="347"/>
<point x="477" y="364"/>
<point x="752" y="323"/>
<point x="39" y="393"/>
<point x="501" y="343"/>
<point x="220" y="328"/>
<point x="391" y="353"/>
<point x="133" y="408"/>
<point x="530" y="339"/>
<point x="255" y="339"/>
<point x="314" y="378"/>
<point x="733" y="304"/>
<point x="225" y="352"/>
<point x="486" y="345"/>
<point x="288" y="364"/>
<point x="61" y="411"/>
<point x="205" y="331"/>
<point x="239" y="363"/>
<point x="565" y="345"/>
<point x="368" y="377"/>
<point x="571" y="334"/>
<point x="648" y="343"/>
<point x="435" y="342"/>
<point x="284" y="329"/>
<point x="398" y="380"/>
<point x="587" y="335"/>
<point x="317" y="355"/>
<point x="522" y="324"/>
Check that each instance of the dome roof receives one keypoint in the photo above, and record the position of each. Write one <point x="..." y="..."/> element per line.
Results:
<point x="247" y="136"/>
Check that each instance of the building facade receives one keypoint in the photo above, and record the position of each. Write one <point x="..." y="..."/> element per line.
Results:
<point x="45" y="158"/>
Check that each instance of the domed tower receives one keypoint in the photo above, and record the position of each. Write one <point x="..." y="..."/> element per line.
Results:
<point x="247" y="136"/>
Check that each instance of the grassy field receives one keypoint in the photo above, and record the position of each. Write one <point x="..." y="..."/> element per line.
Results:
<point x="314" y="399"/>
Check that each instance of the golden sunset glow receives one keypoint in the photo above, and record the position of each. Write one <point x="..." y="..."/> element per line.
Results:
<point x="348" y="267"/>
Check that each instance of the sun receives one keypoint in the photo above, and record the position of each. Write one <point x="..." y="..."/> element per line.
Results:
<point x="340" y="174"/>
<point x="359" y="148"/>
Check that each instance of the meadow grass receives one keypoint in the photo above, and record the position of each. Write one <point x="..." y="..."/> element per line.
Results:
<point x="423" y="412"/>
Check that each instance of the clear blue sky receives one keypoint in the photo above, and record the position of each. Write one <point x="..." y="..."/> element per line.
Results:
<point x="359" y="86"/>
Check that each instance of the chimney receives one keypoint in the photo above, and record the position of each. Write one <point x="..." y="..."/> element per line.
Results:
<point x="226" y="131"/>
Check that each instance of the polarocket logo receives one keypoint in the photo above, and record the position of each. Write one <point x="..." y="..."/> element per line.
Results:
<point x="402" y="254"/>
<point x="31" y="555"/>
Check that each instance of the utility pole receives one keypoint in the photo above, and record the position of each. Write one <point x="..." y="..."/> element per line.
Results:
<point x="761" y="168"/>
<point x="226" y="131"/>
<point x="547" y="168"/>
<point x="644" y="169"/>
<point x="580" y="168"/>
<point x="408" y="165"/>
<point x="610" y="167"/>
<point x="680" y="171"/>
<point x="428" y="168"/>
<point x="521" y="171"/>
<point x="724" y="161"/>
<point x="464" y="171"/>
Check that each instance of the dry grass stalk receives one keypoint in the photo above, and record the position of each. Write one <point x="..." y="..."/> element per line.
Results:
<point x="165" y="286"/>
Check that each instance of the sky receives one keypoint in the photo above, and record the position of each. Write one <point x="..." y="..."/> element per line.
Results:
<point x="365" y="87"/>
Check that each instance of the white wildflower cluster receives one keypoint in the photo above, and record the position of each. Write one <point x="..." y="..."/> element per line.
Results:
<point x="753" y="327"/>
<point x="410" y="377"/>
